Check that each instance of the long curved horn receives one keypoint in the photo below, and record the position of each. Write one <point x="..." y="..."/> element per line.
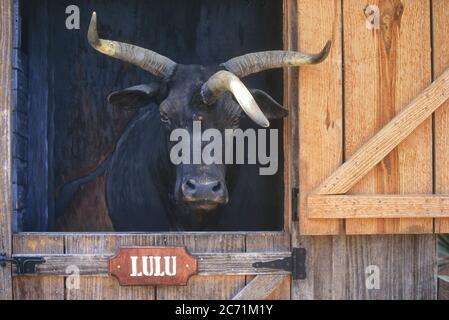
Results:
<point x="146" y="59"/>
<point x="223" y="81"/>
<point x="259" y="61"/>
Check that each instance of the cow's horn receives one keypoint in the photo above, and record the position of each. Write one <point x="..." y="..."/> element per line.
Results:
<point x="260" y="61"/>
<point x="223" y="81"/>
<point x="146" y="59"/>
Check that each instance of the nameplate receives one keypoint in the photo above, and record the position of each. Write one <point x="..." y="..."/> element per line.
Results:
<point x="141" y="266"/>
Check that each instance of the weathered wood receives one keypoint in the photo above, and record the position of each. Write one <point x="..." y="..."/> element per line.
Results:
<point x="5" y="144"/>
<point x="320" y="125"/>
<point x="200" y="287"/>
<point x="287" y="128"/>
<point x="407" y="266"/>
<point x="326" y="269"/>
<point x="105" y="287"/>
<point x="377" y="206"/>
<point x="440" y="51"/>
<point x="209" y="287"/>
<point x="387" y="138"/>
<point x="443" y="290"/>
<point x="44" y="287"/>
<point x="208" y="264"/>
<point x="378" y="84"/>
<point x="260" y="287"/>
<point x="271" y="242"/>
<point x="337" y="267"/>
<point x="38" y="116"/>
<point x="372" y="152"/>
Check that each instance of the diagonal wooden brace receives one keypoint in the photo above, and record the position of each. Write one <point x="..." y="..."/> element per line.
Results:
<point x="390" y="136"/>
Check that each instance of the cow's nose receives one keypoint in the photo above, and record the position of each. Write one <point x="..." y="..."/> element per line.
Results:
<point x="207" y="191"/>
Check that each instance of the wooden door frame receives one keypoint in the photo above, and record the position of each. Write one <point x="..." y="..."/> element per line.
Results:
<point x="6" y="11"/>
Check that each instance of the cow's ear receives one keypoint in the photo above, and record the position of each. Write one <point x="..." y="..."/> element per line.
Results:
<point x="268" y="105"/>
<point x="135" y="97"/>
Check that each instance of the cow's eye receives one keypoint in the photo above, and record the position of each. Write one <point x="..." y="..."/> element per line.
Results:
<point x="165" y="119"/>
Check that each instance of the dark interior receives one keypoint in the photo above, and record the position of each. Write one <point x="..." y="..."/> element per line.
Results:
<point x="63" y="87"/>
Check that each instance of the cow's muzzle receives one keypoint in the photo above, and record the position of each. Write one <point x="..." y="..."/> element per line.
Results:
<point x="204" y="195"/>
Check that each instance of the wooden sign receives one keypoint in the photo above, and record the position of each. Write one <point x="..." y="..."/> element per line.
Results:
<point x="136" y="266"/>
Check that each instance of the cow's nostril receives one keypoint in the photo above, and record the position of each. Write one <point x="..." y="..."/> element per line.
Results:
<point x="190" y="184"/>
<point x="216" y="187"/>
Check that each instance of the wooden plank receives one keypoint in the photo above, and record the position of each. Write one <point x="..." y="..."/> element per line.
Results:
<point x="337" y="267"/>
<point x="440" y="51"/>
<point x="5" y="144"/>
<point x="406" y="265"/>
<point x="106" y="287"/>
<point x="418" y="110"/>
<point x="287" y="126"/>
<point x="208" y="287"/>
<point x="385" y="68"/>
<point x="326" y="267"/>
<point x="38" y="118"/>
<point x="208" y="263"/>
<point x="38" y="288"/>
<point x="443" y="290"/>
<point x="269" y="242"/>
<point x="320" y="126"/>
<point x="388" y="138"/>
<point x="377" y="206"/>
<point x="260" y="287"/>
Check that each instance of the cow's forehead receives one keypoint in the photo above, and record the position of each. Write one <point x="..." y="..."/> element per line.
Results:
<point x="192" y="74"/>
<point x="184" y="86"/>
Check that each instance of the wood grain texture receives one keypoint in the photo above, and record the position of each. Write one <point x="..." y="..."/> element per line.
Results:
<point x="337" y="267"/>
<point x="320" y="105"/>
<point x="385" y="69"/>
<point x="326" y="269"/>
<point x="287" y="126"/>
<point x="209" y="287"/>
<point x="377" y="206"/>
<point x="407" y="266"/>
<point x="235" y="263"/>
<point x="5" y="144"/>
<point x="443" y="290"/>
<point x="388" y="138"/>
<point x="38" y="288"/>
<point x="105" y="288"/>
<point x="37" y="103"/>
<point x="277" y="242"/>
<point x="440" y="51"/>
<point x="260" y="287"/>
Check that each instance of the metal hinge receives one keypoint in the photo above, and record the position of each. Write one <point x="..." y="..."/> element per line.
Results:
<point x="296" y="264"/>
<point x="25" y="265"/>
<point x="295" y="201"/>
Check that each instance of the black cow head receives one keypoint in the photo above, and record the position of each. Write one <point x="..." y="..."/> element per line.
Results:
<point x="215" y="96"/>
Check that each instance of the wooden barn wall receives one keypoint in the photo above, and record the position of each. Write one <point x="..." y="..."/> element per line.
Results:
<point x="369" y="76"/>
<point x="71" y="82"/>
<point x="104" y="287"/>
<point x="364" y="77"/>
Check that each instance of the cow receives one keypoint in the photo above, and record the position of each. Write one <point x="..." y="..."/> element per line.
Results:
<point x="145" y="191"/>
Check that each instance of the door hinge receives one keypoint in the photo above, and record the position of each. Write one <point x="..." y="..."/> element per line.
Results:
<point x="295" y="203"/>
<point x="296" y="264"/>
<point x="25" y="265"/>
